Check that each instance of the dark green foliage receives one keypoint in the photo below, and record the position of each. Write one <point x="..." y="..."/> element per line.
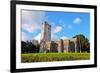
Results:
<point x="83" y="43"/>
<point x="28" y="47"/>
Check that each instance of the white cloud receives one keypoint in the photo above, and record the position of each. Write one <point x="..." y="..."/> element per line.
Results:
<point x="54" y="37"/>
<point x="37" y="37"/>
<point x="57" y="29"/>
<point x="64" y="37"/>
<point x="29" y="27"/>
<point x="77" y="20"/>
<point x="24" y="36"/>
<point x="31" y="20"/>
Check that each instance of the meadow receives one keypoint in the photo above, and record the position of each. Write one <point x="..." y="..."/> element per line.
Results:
<point x="47" y="57"/>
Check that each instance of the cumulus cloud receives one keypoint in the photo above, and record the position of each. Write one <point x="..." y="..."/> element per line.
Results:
<point x="57" y="29"/>
<point x="77" y="20"/>
<point x="54" y="37"/>
<point x="37" y="37"/>
<point x="64" y="37"/>
<point x="24" y="36"/>
<point x="29" y="27"/>
<point x="31" y="20"/>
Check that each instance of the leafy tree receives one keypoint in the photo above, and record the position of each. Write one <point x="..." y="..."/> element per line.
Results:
<point x="83" y="42"/>
<point x="28" y="47"/>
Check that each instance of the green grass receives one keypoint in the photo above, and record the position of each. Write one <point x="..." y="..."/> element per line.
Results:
<point x="47" y="57"/>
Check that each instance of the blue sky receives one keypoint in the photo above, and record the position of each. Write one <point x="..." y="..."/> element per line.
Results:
<point x="64" y="25"/>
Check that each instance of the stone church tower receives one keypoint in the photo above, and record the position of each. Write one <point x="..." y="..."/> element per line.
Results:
<point x="45" y="36"/>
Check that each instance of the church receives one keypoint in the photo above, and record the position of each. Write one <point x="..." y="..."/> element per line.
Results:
<point x="47" y="45"/>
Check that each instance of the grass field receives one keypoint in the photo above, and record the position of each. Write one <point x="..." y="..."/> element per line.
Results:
<point x="46" y="57"/>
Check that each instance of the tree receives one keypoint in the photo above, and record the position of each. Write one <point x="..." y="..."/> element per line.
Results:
<point x="23" y="47"/>
<point x="28" y="47"/>
<point x="83" y="43"/>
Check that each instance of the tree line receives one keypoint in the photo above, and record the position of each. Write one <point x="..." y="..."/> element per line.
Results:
<point x="29" y="47"/>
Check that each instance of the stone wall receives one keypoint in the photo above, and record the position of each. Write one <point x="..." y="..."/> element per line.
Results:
<point x="70" y="45"/>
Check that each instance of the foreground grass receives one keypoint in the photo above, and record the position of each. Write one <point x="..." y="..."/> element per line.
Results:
<point x="45" y="57"/>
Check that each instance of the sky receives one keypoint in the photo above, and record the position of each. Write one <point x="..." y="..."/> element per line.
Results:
<point x="64" y="25"/>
